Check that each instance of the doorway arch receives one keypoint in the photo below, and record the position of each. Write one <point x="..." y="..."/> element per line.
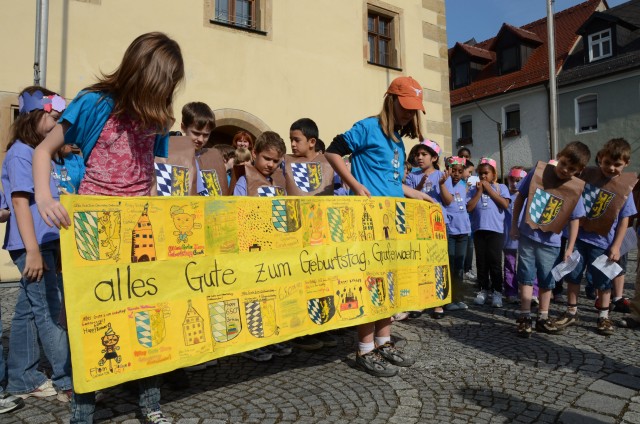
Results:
<point x="230" y="121"/>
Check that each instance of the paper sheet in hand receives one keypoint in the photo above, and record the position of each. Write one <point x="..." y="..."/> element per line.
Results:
<point x="629" y="242"/>
<point x="609" y="268"/>
<point x="563" y="268"/>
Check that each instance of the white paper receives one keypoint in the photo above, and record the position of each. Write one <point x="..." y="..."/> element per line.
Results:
<point x="473" y="180"/>
<point x="609" y="268"/>
<point x="629" y="242"/>
<point x="563" y="268"/>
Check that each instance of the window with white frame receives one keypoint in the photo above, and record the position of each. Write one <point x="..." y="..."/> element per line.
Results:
<point x="600" y="45"/>
<point x="587" y="113"/>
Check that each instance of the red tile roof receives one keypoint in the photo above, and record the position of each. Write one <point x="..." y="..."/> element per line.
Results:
<point x="536" y="70"/>
<point x="474" y="51"/>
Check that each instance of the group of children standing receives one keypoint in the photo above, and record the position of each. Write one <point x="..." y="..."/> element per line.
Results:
<point x="526" y="222"/>
<point x="121" y="123"/>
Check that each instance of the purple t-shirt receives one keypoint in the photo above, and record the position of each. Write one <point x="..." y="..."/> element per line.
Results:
<point x="17" y="176"/>
<point x="431" y="186"/>
<point x="487" y="215"/>
<point x="604" y="242"/>
<point x="547" y="238"/>
<point x="456" y="212"/>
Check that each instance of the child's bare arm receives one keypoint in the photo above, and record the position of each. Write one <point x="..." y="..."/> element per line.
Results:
<point x="53" y="213"/>
<point x="446" y="197"/>
<point x="574" y="225"/>
<point x="514" y="233"/>
<point x="471" y="204"/>
<point x="614" y="249"/>
<point x="34" y="266"/>
<point x="502" y="202"/>
<point x="338" y="165"/>
<point x="412" y="193"/>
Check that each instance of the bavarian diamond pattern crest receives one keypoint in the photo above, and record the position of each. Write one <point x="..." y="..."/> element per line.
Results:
<point x="440" y="282"/>
<point x="301" y="176"/>
<point x="335" y="225"/>
<point x="254" y="319"/>
<point x="321" y="310"/>
<point x="86" y="232"/>
<point x="401" y="220"/>
<point x="279" y="215"/>
<point x="163" y="179"/>
<point x="538" y="204"/>
<point x="596" y="201"/>
<point x="143" y="329"/>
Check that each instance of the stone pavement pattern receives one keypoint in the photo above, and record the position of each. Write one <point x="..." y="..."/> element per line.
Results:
<point x="470" y="368"/>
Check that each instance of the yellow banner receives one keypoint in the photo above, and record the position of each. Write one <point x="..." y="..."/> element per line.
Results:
<point x="158" y="283"/>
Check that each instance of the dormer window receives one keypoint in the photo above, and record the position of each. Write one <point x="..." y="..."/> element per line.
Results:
<point x="600" y="45"/>
<point x="509" y="59"/>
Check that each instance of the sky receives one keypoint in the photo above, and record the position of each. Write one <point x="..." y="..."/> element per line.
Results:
<point x="482" y="19"/>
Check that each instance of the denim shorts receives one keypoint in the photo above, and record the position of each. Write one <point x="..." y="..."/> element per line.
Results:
<point x="588" y="254"/>
<point x="536" y="260"/>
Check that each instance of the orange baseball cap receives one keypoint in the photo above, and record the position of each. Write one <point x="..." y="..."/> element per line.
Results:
<point x="409" y="92"/>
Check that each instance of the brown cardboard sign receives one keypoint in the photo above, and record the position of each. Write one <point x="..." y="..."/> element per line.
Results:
<point x="305" y="177"/>
<point x="258" y="184"/>
<point x="174" y="175"/>
<point x="212" y="173"/>
<point x="551" y="200"/>
<point x="604" y="198"/>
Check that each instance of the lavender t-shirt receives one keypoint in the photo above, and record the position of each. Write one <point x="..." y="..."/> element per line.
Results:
<point x="487" y="215"/>
<point x="456" y="212"/>
<point x="431" y="186"/>
<point x="17" y="176"/>
<point x="604" y="242"/>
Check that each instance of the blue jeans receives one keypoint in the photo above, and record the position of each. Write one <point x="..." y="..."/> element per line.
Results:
<point x="536" y="260"/>
<point x="36" y="317"/>
<point x="83" y="405"/>
<point x="588" y="254"/>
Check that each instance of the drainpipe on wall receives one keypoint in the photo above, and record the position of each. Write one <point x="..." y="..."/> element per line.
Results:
<point x="553" y="101"/>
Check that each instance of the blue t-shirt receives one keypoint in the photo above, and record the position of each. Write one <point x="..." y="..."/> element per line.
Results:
<point x="604" y="242"/>
<point x="86" y="114"/>
<point x="377" y="162"/>
<point x="545" y="237"/>
<point x="487" y="215"/>
<point x="17" y="176"/>
<point x="69" y="174"/>
<point x="456" y="213"/>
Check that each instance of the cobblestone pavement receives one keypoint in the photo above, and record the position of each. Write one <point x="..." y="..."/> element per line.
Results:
<point x="470" y="368"/>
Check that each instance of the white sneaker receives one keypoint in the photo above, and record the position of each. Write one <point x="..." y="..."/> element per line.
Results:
<point x="481" y="297"/>
<point x="451" y="307"/>
<point x="46" y="389"/>
<point x="258" y="355"/>
<point x="462" y="305"/>
<point x="496" y="301"/>
<point x="535" y="300"/>
<point x="470" y="276"/>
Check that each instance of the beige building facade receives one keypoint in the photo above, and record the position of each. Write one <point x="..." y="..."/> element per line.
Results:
<point x="259" y="64"/>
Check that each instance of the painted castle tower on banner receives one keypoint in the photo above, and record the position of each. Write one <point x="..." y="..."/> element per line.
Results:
<point x="193" y="327"/>
<point x="143" y="245"/>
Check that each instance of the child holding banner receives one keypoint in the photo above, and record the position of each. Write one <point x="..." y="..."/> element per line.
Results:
<point x="264" y="178"/>
<point x="35" y="249"/>
<point x="377" y="162"/>
<point x="119" y="123"/>
<point x="487" y="203"/>
<point x="430" y="180"/>
<point x="552" y="194"/>
<point x="307" y="173"/>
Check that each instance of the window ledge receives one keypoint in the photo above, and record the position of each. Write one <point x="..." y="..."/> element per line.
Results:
<point x="384" y="66"/>
<point x="587" y="131"/>
<point x="238" y="27"/>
